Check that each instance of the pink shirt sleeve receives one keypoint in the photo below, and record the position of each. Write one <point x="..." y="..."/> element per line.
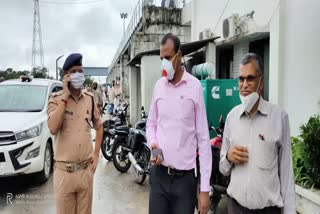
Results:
<point x="202" y="131"/>
<point x="152" y="122"/>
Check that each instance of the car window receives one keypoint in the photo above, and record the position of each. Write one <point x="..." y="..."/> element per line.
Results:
<point x="22" y="98"/>
<point x="56" y="89"/>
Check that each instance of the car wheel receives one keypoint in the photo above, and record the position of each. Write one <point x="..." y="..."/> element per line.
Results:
<point x="44" y="175"/>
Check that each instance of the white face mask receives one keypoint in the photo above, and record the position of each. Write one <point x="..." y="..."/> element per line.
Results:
<point x="77" y="80"/>
<point x="250" y="100"/>
<point x="167" y="69"/>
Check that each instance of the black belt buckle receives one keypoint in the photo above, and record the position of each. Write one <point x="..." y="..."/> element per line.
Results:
<point x="173" y="172"/>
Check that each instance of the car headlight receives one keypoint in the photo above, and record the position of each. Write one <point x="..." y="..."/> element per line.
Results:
<point x="30" y="133"/>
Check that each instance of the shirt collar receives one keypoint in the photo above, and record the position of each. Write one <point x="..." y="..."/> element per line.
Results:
<point x="262" y="108"/>
<point x="81" y="95"/>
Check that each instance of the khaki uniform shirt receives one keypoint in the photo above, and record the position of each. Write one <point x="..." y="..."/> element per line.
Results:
<point x="73" y="139"/>
<point x="97" y="97"/>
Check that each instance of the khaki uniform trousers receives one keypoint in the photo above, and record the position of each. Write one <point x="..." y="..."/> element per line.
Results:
<point x="73" y="191"/>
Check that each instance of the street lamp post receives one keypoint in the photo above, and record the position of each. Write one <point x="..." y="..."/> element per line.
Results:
<point x="57" y="66"/>
<point x="124" y="16"/>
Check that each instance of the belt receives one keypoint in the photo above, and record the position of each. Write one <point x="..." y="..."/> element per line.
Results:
<point x="172" y="171"/>
<point x="71" y="167"/>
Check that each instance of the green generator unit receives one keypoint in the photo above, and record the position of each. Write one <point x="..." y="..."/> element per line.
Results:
<point x="220" y="96"/>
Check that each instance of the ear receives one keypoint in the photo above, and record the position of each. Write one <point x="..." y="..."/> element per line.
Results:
<point x="261" y="86"/>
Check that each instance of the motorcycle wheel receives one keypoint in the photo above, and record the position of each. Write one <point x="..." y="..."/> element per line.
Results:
<point x="141" y="177"/>
<point x="106" y="148"/>
<point x="120" y="157"/>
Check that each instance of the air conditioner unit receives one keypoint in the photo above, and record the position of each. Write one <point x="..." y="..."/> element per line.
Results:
<point x="206" y="34"/>
<point x="229" y="26"/>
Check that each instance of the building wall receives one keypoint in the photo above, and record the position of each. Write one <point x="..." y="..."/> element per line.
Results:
<point x="150" y="73"/>
<point x="187" y="13"/>
<point x="206" y="13"/>
<point x="239" y="50"/>
<point x="293" y="51"/>
<point x="274" y="65"/>
<point x="299" y="49"/>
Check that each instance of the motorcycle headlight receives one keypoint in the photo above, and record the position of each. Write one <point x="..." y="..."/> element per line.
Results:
<point x="30" y="133"/>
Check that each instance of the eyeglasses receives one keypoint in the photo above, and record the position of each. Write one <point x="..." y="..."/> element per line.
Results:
<point x="250" y="78"/>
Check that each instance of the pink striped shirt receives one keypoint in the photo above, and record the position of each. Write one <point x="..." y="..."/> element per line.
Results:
<point x="177" y="123"/>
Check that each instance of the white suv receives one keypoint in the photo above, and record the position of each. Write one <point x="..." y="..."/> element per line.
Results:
<point x="26" y="145"/>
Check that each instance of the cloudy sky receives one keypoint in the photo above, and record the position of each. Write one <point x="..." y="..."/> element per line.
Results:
<point x="93" y="29"/>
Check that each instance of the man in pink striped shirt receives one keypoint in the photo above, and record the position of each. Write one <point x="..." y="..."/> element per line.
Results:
<point x="177" y="124"/>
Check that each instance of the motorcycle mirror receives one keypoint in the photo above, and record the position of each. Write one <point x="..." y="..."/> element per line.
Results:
<point x="142" y="108"/>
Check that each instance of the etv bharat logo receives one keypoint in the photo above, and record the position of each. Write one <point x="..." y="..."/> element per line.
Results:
<point x="9" y="198"/>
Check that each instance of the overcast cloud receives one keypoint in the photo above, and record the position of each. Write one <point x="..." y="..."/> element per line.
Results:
<point x="94" y="29"/>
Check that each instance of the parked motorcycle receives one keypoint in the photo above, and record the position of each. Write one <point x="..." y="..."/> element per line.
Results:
<point x="134" y="151"/>
<point x="118" y="119"/>
<point x="218" y="182"/>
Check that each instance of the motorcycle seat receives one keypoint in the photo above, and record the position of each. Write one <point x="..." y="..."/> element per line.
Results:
<point x="122" y="129"/>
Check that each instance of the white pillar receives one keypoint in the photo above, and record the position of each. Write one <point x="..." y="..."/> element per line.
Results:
<point x="133" y="91"/>
<point x="150" y="73"/>
<point x="211" y="57"/>
<point x="299" y="61"/>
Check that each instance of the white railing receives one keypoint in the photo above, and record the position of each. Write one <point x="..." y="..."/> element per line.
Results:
<point x="136" y="20"/>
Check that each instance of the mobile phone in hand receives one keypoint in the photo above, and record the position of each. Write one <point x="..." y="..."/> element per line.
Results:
<point x="156" y="153"/>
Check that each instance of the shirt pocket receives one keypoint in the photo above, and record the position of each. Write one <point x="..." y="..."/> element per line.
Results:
<point x="165" y="110"/>
<point x="186" y="109"/>
<point x="266" y="156"/>
<point x="68" y="120"/>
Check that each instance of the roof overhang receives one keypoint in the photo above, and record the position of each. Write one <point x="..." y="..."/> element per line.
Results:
<point x="186" y="48"/>
<point x="96" y="71"/>
<point x="252" y="36"/>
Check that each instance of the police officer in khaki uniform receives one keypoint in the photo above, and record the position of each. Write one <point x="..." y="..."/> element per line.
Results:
<point x="71" y="114"/>
<point x="97" y="93"/>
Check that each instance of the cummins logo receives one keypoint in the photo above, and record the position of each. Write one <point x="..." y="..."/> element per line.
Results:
<point x="215" y="92"/>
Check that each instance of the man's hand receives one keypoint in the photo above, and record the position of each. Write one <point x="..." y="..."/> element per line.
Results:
<point x="238" y="154"/>
<point x="66" y="91"/>
<point x="204" y="202"/>
<point x="156" y="160"/>
<point x="94" y="161"/>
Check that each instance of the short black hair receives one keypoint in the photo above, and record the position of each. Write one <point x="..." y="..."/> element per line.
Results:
<point x="174" y="38"/>
<point x="249" y="57"/>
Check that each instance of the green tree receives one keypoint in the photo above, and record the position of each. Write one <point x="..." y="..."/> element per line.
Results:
<point x="88" y="81"/>
<point x="39" y="72"/>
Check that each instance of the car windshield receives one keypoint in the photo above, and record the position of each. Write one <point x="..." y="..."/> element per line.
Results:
<point x="22" y="98"/>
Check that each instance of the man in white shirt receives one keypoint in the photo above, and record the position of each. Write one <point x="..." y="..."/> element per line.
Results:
<point x="256" y="149"/>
